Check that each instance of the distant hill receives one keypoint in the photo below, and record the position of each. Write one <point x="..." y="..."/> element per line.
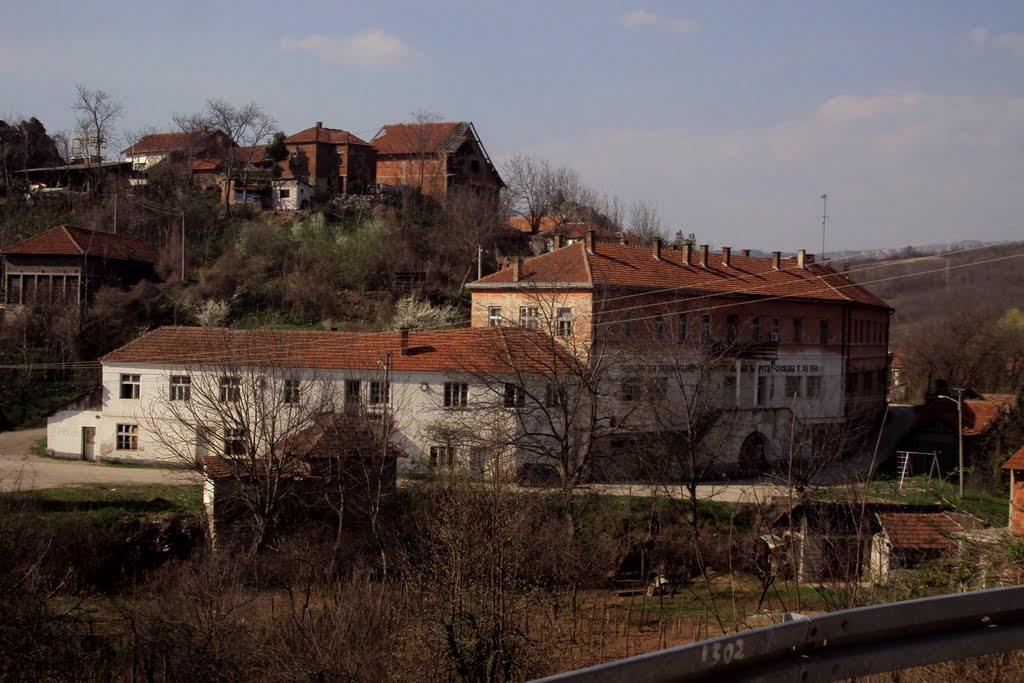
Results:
<point x="954" y="286"/>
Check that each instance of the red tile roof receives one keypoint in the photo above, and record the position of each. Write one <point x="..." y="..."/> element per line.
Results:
<point x="67" y="240"/>
<point x="1015" y="461"/>
<point x="482" y="350"/>
<point x="619" y="265"/>
<point x="920" y="530"/>
<point x="420" y="138"/>
<point x="335" y="136"/>
<point x="206" y="165"/>
<point x="170" y="142"/>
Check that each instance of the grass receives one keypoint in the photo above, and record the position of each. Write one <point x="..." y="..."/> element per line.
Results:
<point x="105" y="503"/>
<point x="919" y="490"/>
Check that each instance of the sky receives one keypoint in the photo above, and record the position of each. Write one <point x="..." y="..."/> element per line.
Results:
<point x="731" y="118"/>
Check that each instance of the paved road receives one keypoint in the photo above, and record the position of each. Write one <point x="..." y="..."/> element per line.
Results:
<point x="19" y="469"/>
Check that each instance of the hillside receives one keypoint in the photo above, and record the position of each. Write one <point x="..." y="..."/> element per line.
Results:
<point x="972" y="284"/>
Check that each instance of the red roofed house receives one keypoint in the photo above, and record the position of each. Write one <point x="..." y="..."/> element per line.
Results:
<point x="428" y="383"/>
<point x="435" y="158"/>
<point x="149" y="150"/>
<point x="66" y="264"/>
<point x="792" y="340"/>
<point x="324" y="162"/>
<point x="1015" y="466"/>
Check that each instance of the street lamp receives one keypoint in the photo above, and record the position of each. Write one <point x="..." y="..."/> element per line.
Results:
<point x="959" y="401"/>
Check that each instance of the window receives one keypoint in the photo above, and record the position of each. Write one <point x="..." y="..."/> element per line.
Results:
<point x="514" y="396"/>
<point x="379" y="391"/>
<point x="682" y="326"/>
<point x="632" y="389"/>
<point x="729" y="390"/>
<point x="792" y="386"/>
<point x="763" y="387"/>
<point x="823" y="331"/>
<point x="554" y="396"/>
<point x="732" y="324"/>
<point x="659" y="326"/>
<point x="455" y="394"/>
<point x="127" y="437"/>
<point x="230" y="389"/>
<point x="352" y="392"/>
<point x="755" y="328"/>
<point x="628" y="325"/>
<point x="528" y="317"/>
<point x="705" y="327"/>
<point x="494" y="316"/>
<point x="814" y="386"/>
<point x="775" y="329"/>
<point x="563" y="325"/>
<point x="285" y="194"/>
<point x="131" y="386"/>
<point x="798" y="330"/>
<point x="181" y="387"/>
<point x="474" y="165"/>
<point x="442" y="455"/>
<point x="234" y="441"/>
<point x="291" y="391"/>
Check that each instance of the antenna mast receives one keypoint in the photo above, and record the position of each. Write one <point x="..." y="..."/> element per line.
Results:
<point x="824" y="217"/>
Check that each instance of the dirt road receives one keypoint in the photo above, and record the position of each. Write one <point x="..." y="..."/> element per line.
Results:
<point x="19" y="469"/>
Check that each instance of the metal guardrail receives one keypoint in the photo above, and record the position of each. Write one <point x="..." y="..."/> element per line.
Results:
<point x="854" y="642"/>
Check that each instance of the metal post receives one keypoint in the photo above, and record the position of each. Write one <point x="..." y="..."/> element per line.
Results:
<point x="960" y="435"/>
<point x="824" y="215"/>
<point x="183" y="245"/>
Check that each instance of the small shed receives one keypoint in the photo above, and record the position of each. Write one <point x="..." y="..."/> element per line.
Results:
<point x="1015" y="466"/>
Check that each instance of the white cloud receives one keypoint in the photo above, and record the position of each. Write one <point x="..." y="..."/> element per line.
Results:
<point x="371" y="48"/>
<point x="978" y="36"/>
<point x="1010" y="42"/>
<point x="642" y="18"/>
<point x="1013" y="42"/>
<point x="902" y="167"/>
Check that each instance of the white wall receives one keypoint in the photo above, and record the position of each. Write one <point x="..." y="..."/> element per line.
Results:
<point x="64" y="431"/>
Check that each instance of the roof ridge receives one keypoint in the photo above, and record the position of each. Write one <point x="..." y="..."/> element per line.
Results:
<point x="71" y="237"/>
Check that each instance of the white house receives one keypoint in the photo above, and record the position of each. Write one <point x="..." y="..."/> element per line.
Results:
<point x="441" y="390"/>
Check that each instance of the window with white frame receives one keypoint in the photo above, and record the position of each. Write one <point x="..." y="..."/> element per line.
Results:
<point x="234" y="441"/>
<point x="814" y="386"/>
<point x="792" y="386"/>
<point x="442" y="455"/>
<point x="798" y="330"/>
<point x="494" y="316"/>
<point x="181" y="387"/>
<point x="291" y="391"/>
<point x="456" y="394"/>
<point x="515" y="396"/>
<point x="127" y="437"/>
<point x="529" y="317"/>
<point x="563" y="322"/>
<point x="230" y="389"/>
<point x="131" y="386"/>
<point x="352" y="392"/>
<point x="379" y="391"/>
<point x="775" y="330"/>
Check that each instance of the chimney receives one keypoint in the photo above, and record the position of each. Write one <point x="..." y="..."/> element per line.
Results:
<point x="687" y="252"/>
<point x="727" y="256"/>
<point x="624" y="241"/>
<point x="559" y="241"/>
<point x="801" y="258"/>
<point x="704" y="256"/>
<point x="319" y="124"/>
<point x="517" y="269"/>
<point x="776" y="259"/>
<point x="745" y="252"/>
<point x="591" y="240"/>
<point x="403" y="339"/>
<point x="656" y="248"/>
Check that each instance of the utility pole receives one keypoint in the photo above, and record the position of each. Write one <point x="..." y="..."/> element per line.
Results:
<point x="960" y="436"/>
<point x="479" y="262"/>
<point x="183" y="246"/>
<point x="824" y="217"/>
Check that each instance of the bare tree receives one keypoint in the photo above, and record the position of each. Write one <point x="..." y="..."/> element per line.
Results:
<point x="530" y="185"/>
<point x="97" y="111"/>
<point x="644" y="222"/>
<point x="244" y="126"/>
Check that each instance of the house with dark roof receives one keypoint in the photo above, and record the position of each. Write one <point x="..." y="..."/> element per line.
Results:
<point x="152" y="149"/>
<point x="435" y="158"/>
<point x="794" y="343"/>
<point x="65" y="265"/>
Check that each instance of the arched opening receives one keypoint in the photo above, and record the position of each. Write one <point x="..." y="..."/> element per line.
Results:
<point x="753" y="454"/>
